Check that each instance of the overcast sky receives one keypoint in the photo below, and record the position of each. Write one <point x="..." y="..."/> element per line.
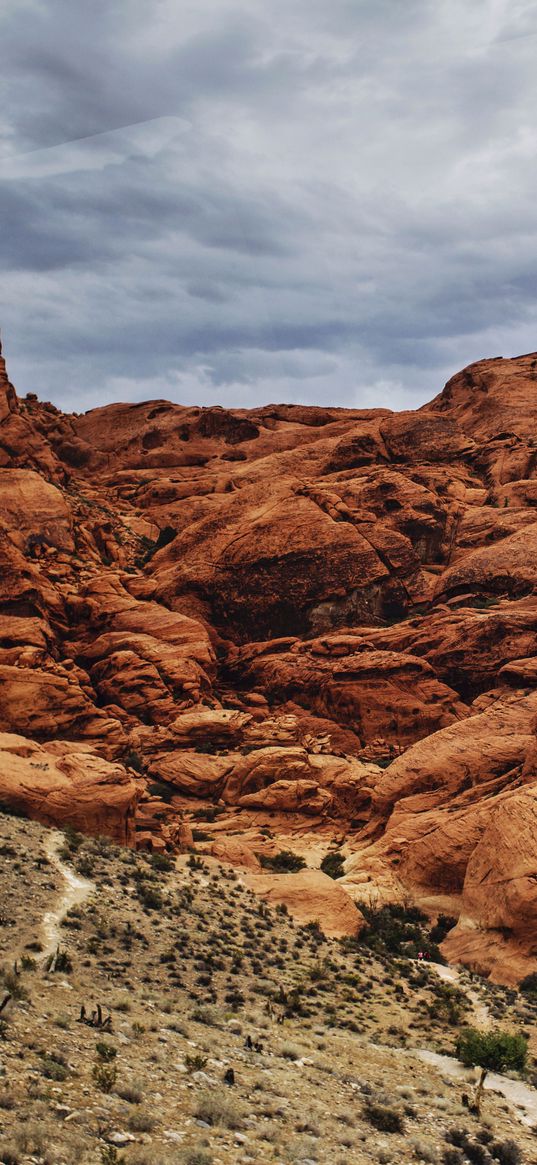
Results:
<point x="326" y="201"/>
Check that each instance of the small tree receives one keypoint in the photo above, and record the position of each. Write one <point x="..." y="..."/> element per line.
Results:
<point x="492" y="1051"/>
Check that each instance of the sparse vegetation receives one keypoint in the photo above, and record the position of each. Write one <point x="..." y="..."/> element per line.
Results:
<point x="228" y="1020"/>
<point x="283" y="862"/>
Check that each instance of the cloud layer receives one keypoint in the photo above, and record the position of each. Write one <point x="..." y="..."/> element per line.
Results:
<point x="245" y="202"/>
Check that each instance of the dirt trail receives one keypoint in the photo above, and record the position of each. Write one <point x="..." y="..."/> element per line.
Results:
<point x="481" y="1014"/>
<point x="76" y="891"/>
<point x="522" y="1096"/>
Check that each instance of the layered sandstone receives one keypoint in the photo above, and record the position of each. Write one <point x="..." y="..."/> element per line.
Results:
<point x="298" y="622"/>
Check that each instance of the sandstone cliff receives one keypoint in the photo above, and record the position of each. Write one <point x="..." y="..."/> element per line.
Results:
<point x="312" y="627"/>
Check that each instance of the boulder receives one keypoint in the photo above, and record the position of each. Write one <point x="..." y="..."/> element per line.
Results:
<point x="60" y="783"/>
<point x="310" y="896"/>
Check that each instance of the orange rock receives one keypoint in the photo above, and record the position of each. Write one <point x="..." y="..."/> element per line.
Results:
<point x="41" y="703"/>
<point x="310" y="896"/>
<point x="253" y="606"/>
<point x="499" y="898"/>
<point x="34" y="511"/>
<point x="65" y="784"/>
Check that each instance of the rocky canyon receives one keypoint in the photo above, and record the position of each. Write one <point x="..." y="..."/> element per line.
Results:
<point x="290" y="628"/>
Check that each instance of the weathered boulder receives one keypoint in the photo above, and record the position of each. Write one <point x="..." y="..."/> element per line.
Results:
<point x="61" y="783"/>
<point x="310" y="896"/>
<point x="497" y="931"/>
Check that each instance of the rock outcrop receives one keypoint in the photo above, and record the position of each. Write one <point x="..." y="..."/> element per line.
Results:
<point x="286" y="623"/>
<point x="68" y="784"/>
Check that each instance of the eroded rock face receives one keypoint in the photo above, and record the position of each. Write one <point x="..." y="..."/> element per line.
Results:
<point x="310" y="896"/>
<point x="297" y="622"/>
<point x="497" y="929"/>
<point x="68" y="784"/>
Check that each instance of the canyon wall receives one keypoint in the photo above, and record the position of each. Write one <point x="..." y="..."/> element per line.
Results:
<point x="315" y="626"/>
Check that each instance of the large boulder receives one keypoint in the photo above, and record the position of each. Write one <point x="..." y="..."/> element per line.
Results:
<point x="61" y="783"/>
<point x="310" y="896"/>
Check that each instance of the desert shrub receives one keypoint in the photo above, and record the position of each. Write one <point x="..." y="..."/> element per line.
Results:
<point x="205" y="1015"/>
<point x="290" y="1052"/>
<point x="104" y="1076"/>
<point x="110" y="1155"/>
<point x="216" y="1109"/>
<point x="443" y="925"/>
<point x="477" y="1154"/>
<point x="133" y="1092"/>
<point x="424" y="1150"/>
<point x="105" y="1052"/>
<point x="209" y="813"/>
<point x="383" y="1117"/>
<point x="59" y="961"/>
<point x="195" y="863"/>
<point x="73" y="839"/>
<point x="283" y="862"/>
<point x="161" y="863"/>
<point x="393" y="929"/>
<point x="494" y="1051"/>
<point x="141" y="1121"/>
<point x="506" y="1152"/>
<point x="450" y="1004"/>
<point x="457" y="1137"/>
<point x="150" y="898"/>
<point x="332" y="864"/>
<point x="54" y="1066"/>
<point x="9" y="1154"/>
<point x="13" y="985"/>
<point x="195" y="1062"/>
<point x="528" y="986"/>
<point x="197" y="1157"/>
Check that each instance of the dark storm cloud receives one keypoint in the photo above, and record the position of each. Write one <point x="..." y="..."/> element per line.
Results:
<point x="309" y="202"/>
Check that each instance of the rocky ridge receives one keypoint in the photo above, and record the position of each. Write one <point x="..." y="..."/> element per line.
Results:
<point x="286" y="628"/>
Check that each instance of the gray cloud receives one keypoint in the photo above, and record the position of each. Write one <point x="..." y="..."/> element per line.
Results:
<point x="310" y="202"/>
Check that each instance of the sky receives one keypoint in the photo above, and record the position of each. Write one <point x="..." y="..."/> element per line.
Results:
<point x="237" y="203"/>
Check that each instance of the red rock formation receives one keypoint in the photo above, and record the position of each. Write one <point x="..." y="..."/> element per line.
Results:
<point x="310" y="896"/>
<point x="68" y="784"/>
<point x="304" y="620"/>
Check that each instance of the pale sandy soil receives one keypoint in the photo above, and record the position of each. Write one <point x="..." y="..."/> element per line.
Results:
<point x="188" y="963"/>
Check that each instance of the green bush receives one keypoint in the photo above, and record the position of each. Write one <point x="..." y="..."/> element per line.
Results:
<point x="528" y="986"/>
<point x="444" y="923"/>
<point x="106" y="1052"/>
<point x="494" y="1051"/>
<point x="283" y="862"/>
<point x="395" y="929"/>
<point x="332" y="864"/>
<point x="54" y="1066"/>
<point x="150" y="898"/>
<point x="161" y="863"/>
<point x="449" y="1005"/>
<point x="104" y="1076"/>
<point x="73" y="839"/>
